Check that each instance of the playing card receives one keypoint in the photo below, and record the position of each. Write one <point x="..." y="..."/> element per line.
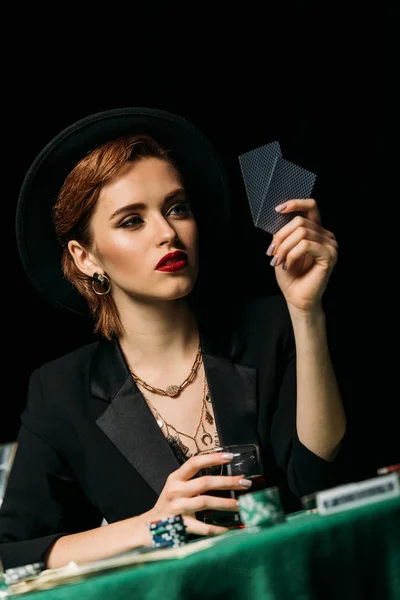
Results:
<point x="270" y="180"/>
<point x="257" y="169"/>
<point x="289" y="181"/>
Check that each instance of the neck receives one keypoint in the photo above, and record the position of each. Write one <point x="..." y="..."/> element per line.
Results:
<point x="158" y="333"/>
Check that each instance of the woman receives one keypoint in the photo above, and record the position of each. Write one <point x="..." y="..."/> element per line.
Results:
<point x="113" y="429"/>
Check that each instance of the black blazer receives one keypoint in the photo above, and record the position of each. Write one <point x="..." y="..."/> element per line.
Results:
<point x="89" y="447"/>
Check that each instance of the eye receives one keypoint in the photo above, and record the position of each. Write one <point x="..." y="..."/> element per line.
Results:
<point x="131" y="222"/>
<point x="181" y="209"/>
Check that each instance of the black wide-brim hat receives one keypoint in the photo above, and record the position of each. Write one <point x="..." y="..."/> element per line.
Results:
<point x="38" y="247"/>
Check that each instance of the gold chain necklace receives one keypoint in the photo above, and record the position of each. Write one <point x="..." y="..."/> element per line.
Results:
<point x="172" y="390"/>
<point x="175" y="440"/>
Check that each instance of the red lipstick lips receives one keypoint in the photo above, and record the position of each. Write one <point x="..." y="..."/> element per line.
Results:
<point x="173" y="261"/>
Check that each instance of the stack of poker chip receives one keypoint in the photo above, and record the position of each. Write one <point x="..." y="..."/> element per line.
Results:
<point x="262" y="508"/>
<point x="168" y="532"/>
<point x="15" y="574"/>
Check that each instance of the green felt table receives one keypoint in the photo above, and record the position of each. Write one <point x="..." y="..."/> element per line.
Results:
<point x="354" y="554"/>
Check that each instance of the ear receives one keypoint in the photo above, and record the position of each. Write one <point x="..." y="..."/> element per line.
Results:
<point x="84" y="259"/>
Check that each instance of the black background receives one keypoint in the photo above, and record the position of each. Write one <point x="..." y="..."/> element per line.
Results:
<point x="317" y="86"/>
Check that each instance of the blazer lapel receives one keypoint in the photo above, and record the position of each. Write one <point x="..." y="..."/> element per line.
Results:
<point x="233" y="389"/>
<point x="233" y="386"/>
<point x="127" y="420"/>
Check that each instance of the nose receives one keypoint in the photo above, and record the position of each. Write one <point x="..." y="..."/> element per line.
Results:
<point x="165" y="233"/>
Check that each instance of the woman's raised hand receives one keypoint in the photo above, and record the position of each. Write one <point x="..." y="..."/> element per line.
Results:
<point x="305" y="254"/>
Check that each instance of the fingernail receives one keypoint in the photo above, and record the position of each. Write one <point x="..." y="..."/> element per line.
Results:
<point x="271" y="249"/>
<point x="274" y="261"/>
<point x="245" y="483"/>
<point x="227" y="456"/>
<point x="280" y="207"/>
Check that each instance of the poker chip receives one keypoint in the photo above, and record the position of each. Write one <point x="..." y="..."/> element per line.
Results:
<point x="261" y="508"/>
<point x="15" y="574"/>
<point x="389" y="469"/>
<point x="168" y="532"/>
<point x="309" y="502"/>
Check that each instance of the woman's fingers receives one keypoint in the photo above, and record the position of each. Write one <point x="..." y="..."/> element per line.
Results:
<point x="323" y="255"/>
<point x="186" y="506"/>
<point x="183" y="493"/>
<point x="297" y="223"/>
<point x="308" y="206"/>
<point x="192" y="466"/>
<point x="207" y="483"/>
<point x="298" y="235"/>
<point x="199" y="528"/>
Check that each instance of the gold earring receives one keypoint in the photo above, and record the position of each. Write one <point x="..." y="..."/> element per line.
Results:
<point x="102" y="281"/>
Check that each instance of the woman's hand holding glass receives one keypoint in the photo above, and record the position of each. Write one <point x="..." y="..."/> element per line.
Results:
<point x="185" y="493"/>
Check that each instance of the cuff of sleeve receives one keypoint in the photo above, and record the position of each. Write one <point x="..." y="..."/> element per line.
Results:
<point x="17" y="554"/>
<point x="310" y="473"/>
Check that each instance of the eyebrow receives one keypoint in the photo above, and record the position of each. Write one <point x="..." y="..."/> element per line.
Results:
<point x="141" y="205"/>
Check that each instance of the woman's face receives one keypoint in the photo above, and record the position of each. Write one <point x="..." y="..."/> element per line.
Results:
<point x="141" y="216"/>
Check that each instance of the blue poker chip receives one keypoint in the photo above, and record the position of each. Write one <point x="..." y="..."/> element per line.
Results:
<point x="168" y="532"/>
